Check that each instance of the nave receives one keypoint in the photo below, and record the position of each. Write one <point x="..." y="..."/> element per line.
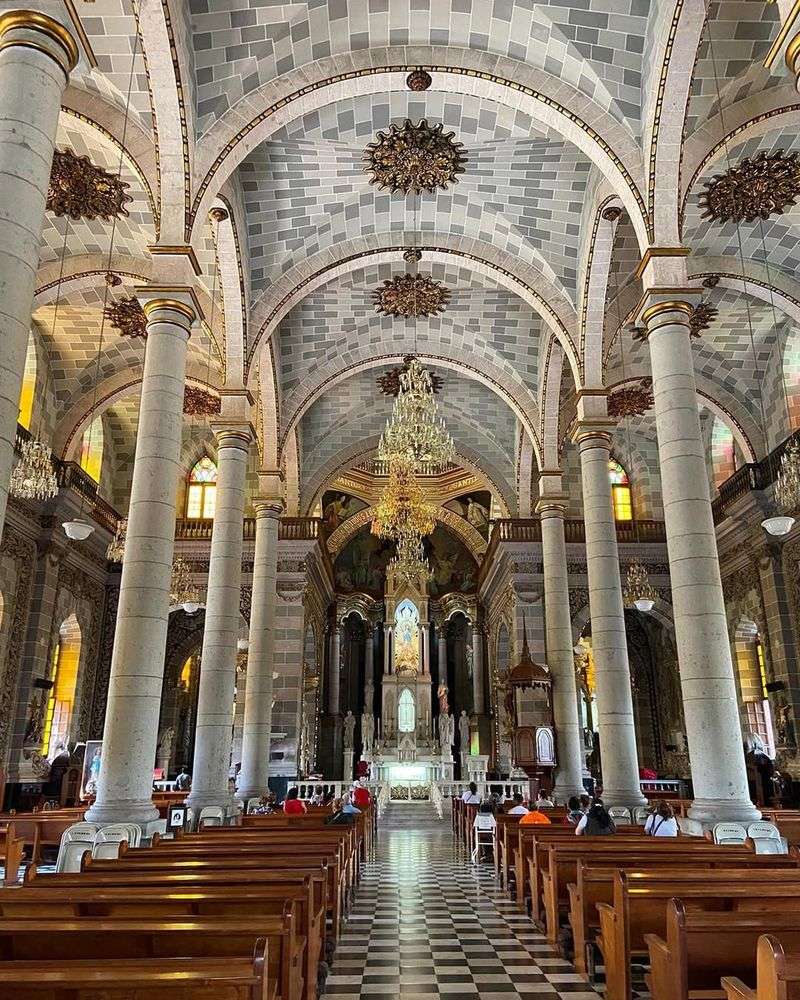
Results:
<point x="427" y="923"/>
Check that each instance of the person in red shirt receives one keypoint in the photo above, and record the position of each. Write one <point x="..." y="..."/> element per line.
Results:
<point x="293" y="805"/>
<point x="360" y="796"/>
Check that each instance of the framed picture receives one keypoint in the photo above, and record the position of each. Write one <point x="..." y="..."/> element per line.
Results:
<point x="92" y="763"/>
<point x="176" y="818"/>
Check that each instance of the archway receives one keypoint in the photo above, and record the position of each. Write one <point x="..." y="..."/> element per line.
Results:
<point x="65" y="666"/>
<point x="756" y="713"/>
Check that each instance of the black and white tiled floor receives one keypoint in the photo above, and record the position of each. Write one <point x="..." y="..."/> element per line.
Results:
<point x="426" y="923"/>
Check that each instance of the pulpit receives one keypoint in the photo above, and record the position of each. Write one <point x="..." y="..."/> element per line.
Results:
<point x="529" y="702"/>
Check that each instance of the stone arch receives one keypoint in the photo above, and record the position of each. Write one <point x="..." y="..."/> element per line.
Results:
<point x="458" y="526"/>
<point x="550" y="100"/>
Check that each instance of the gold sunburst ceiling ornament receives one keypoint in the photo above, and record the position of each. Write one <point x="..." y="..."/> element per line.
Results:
<point x="198" y="402"/>
<point x="631" y="400"/>
<point x="755" y="188"/>
<point x="703" y="315"/>
<point x="410" y="295"/>
<point x="414" y="158"/>
<point x="80" y="189"/>
<point x="126" y="315"/>
<point x="389" y="382"/>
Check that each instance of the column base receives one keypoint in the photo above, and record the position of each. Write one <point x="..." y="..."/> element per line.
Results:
<point x="141" y="811"/>
<point x="562" y="792"/>
<point x="208" y="798"/>
<point x="626" y="797"/>
<point x="711" y="811"/>
<point x="245" y="794"/>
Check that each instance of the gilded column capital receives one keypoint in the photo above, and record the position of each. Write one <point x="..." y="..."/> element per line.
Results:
<point x="268" y="507"/>
<point x="666" y="306"/>
<point x="163" y="304"/>
<point x="34" y="30"/>
<point x="593" y="433"/>
<point x="233" y="433"/>
<point x="553" y="505"/>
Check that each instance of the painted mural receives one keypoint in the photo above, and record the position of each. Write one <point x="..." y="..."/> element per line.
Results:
<point x="337" y="507"/>
<point x="475" y="508"/>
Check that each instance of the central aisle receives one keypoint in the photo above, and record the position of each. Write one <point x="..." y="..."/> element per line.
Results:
<point x="425" y="924"/>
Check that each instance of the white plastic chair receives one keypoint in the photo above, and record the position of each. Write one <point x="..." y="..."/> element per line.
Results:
<point x="640" y="814"/>
<point x="211" y="816"/>
<point x="108" y="840"/>
<point x="763" y="830"/>
<point x="76" y="841"/>
<point x="620" y="815"/>
<point x="483" y="834"/>
<point x="729" y="834"/>
<point x="766" y="838"/>
<point x="252" y="804"/>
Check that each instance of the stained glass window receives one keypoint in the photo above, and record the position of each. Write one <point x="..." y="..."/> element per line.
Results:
<point x="91" y="458"/>
<point x="201" y="492"/>
<point x="620" y="492"/>
<point x="406" y="712"/>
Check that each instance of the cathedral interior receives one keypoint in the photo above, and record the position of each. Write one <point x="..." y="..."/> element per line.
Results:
<point x="254" y="231"/>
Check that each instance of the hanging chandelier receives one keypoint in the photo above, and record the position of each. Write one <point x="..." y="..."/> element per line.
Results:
<point x="182" y="591"/>
<point x="34" y="477"/>
<point x="415" y="434"/>
<point x="787" y="491"/>
<point x="638" y="591"/>
<point x="116" y="547"/>
<point x="409" y="564"/>
<point x="402" y="510"/>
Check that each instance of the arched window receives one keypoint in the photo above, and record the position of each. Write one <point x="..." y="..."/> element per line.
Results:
<point x="27" y="393"/>
<point x="91" y="457"/>
<point x="620" y="492"/>
<point x="406" y="712"/>
<point x="201" y="493"/>
<point x="65" y="664"/>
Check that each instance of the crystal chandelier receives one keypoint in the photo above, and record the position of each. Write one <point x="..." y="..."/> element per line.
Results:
<point x="116" y="548"/>
<point x="409" y="564"/>
<point x="415" y="433"/>
<point x="182" y="592"/>
<point x="787" y="483"/>
<point x="34" y="477"/>
<point x="638" y="590"/>
<point x="402" y="510"/>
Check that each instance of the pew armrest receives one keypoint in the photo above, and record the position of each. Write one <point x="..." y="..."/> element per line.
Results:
<point x="735" y="989"/>
<point x="662" y="976"/>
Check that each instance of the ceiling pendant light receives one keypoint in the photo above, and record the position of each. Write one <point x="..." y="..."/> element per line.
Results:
<point x="182" y="592"/>
<point x="34" y="477"/>
<point x="116" y="549"/>
<point x="77" y="530"/>
<point x="638" y="591"/>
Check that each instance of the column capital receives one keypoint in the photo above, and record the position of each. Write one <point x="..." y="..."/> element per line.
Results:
<point x="233" y="433"/>
<point x="34" y="30"/>
<point x="268" y="507"/>
<point x="593" y="433"/>
<point x="666" y="306"/>
<point x="176" y="304"/>
<point x="553" y="505"/>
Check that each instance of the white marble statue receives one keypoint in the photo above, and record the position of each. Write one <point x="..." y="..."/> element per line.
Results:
<point x="463" y="732"/>
<point x="367" y="731"/>
<point x="445" y="739"/>
<point x="349" y="730"/>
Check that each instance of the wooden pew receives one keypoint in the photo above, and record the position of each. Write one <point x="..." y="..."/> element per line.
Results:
<point x="700" y="948"/>
<point x="38" y="830"/>
<point x="12" y="848"/>
<point x="563" y="861"/>
<point x="777" y="974"/>
<point x="639" y="908"/>
<point x="163" y="901"/>
<point x="235" y="978"/>
<point x="595" y="884"/>
<point x="504" y="839"/>
<point x="103" y="938"/>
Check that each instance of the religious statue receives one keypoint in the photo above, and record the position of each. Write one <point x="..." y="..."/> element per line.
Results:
<point x="463" y="732"/>
<point x="406" y="643"/>
<point x="445" y="739"/>
<point x="367" y="731"/>
<point x="783" y="724"/>
<point x="349" y="730"/>
<point x="34" y="727"/>
<point x="444" y="708"/>
<point x="164" y="751"/>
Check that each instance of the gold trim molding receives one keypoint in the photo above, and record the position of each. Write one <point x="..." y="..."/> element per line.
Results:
<point x="31" y="20"/>
<point x="165" y="250"/>
<point x="652" y="252"/>
<point x="179" y="307"/>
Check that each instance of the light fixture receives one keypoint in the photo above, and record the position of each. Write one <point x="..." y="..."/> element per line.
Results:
<point x="242" y="645"/>
<point x="786" y="492"/>
<point x="34" y="477"/>
<point x="77" y="530"/>
<point x="409" y="564"/>
<point x="638" y="591"/>
<point x="182" y="592"/>
<point x="778" y="524"/>
<point x="415" y="434"/>
<point x="402" y="509"/>
<point x="116" y="547"/>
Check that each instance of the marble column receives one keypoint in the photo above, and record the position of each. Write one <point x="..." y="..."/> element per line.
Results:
<point x="441" y="649"/>
<point x="369" y="668"/>
<point x="614" y="698"/>
<point x="478" y="696"/>
<point x="37" y="53"/>
<point x="335" y="671"/>
<point x="137" y="661"/>
<point x="425" y="628"/>
<point x="558" y="641"/>
<point x="254" y="775"/>
<point x="212" y="739"/>
<point x="710" y="703"/>
<point x="387" y="648"/>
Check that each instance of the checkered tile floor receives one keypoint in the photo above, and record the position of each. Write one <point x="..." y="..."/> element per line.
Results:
<point x="427" y="924"/>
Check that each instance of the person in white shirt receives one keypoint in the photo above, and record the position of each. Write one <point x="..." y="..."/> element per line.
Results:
<point x="661" y="822"/>
<point x="544" y="803"/>
<point x="518" y="809"/>
<point x="470" y="795"/>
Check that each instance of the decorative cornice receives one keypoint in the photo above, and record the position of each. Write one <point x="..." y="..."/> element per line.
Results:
<point x="165" y="250"/>
<point x="652" y="252"/>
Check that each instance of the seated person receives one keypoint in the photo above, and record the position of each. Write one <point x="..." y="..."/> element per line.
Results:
<point x="543" y="802"/>
<point x="293" y="805"/>
<point x="518" y="808"/>
<point x="596" y="823"/>
<point x="661" y="822"/>
<point x="574" y="812"/>
<point x="534" y="816"/>
<point x="183" y="782"/>
<point x="470" y="795"/>
<point x="348" y="807"/>
<point x="318" y="798"/>
<point x="338" y="816"/>
<point x="264" y="806"/>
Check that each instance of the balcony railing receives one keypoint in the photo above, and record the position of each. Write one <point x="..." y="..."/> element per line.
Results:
<point x="290" y="529"/>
